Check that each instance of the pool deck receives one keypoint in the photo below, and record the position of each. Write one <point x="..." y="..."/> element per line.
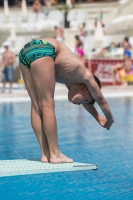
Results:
<point x="19" y="93"/>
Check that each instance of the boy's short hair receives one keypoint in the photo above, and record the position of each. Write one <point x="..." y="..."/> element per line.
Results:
<point x="99" y="84"/>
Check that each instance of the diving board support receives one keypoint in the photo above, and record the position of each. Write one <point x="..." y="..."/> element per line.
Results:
<point x="34" y="166"/>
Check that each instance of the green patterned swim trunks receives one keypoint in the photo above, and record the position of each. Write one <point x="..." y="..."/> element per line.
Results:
<point x="34" y="50"/>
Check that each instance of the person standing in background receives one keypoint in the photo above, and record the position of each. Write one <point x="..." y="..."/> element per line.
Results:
<point x="79" y="48"/>
<point x="37" y="6"/>
<point x="122" y="69"/>
<point x="100" y="19"/>
<point x="101" y="16"/>
<point x="126" y="45"/>
<point x="1" y="68"/>
<point x="83" y="32"/>
<point x="8" y="60"/>
<point x="48" y="4"/>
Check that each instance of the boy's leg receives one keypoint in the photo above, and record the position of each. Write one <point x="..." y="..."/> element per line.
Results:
<point x="37" y="127"/>
<point x="35" y="113"/>
<point x="43" y="74"/>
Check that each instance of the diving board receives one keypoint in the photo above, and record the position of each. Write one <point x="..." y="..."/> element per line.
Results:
<point x="34" y="166"/>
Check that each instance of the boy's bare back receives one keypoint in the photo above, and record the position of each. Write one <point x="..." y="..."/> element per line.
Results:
<point x="68" y="67"/>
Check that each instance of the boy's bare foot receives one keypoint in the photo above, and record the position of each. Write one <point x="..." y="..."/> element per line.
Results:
<point x="44" y="159"/>
<point x="60" y="158"/>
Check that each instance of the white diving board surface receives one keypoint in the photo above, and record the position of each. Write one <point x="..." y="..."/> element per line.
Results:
<point x="34" y="166"/>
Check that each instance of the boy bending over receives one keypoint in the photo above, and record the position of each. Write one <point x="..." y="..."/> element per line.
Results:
<point x="44" y="62"/>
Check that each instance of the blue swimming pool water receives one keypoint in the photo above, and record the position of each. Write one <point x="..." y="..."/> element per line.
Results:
<point x="81" y="138"/>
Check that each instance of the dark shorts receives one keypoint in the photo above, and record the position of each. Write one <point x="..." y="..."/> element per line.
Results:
<point x="34" y="50"/>
<point x="8" y="74"/>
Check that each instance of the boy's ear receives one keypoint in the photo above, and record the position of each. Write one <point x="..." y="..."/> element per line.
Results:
<point x="85" y="88"/>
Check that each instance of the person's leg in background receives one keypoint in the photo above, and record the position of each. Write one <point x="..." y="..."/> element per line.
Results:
<point x="101" y="53"/>
<point x="3" y="88"/>
<point x="4" y="80"/>
<point x="10" y="72"/>
<point x="113" y="71"/>
<point x="118" y="71"/>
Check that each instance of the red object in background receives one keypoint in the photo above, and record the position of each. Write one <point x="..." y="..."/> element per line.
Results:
<point x="101" y="68"/>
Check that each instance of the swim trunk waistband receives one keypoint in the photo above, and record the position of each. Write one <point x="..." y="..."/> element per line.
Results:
<point x="34" y="50"/>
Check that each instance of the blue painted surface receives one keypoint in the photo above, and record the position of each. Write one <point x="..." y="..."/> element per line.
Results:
<point x="81" y="138"/>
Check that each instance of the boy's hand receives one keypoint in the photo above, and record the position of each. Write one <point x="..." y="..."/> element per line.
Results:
<point x="104" y="122"/>
<point x="109" y="123"/>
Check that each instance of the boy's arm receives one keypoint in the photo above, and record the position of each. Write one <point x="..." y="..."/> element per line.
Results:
<point x="92" y="110"/>
<point x="98" y="96"/>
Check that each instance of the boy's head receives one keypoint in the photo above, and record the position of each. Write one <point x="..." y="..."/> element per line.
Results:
<point x="79" y="93"/>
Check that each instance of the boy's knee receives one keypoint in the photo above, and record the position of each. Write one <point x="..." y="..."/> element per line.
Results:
<point x="35" y="107"/>
<point x="48" y="102"/>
